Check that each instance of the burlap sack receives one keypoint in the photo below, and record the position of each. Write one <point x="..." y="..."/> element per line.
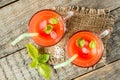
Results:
<point x="96" y="20"/>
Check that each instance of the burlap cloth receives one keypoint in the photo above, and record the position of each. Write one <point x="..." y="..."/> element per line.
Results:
<point x="95" y="20"/>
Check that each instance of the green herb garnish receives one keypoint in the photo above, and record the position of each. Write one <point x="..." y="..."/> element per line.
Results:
<point x="53" y="21"/>
<point x="44" y="70"/>
<point x="92" y="44"/>
<point x="34" y="63"/>
<point x="43" y="58"/>
<point x="48" y="29"/>
<point x="39" y="60"/>
<point x="80" y="42"/>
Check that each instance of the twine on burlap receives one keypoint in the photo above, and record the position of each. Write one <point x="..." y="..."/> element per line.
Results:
<point x="95" y="20"/>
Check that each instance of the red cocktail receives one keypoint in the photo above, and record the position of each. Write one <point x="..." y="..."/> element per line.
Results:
<point x="50" y="26"/>
<point x="87" y="46"/>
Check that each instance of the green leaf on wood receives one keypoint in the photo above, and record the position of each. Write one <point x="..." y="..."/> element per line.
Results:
<point x="44" y="70"/>
<point x="33" y="64"/>
<point x="39" y="61"/>
<point x="43" y="58"/>
<point x="32" y="51"/>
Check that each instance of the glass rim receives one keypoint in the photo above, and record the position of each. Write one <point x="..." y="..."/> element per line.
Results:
<point x="69" y="55"/>
<point x="60" y="17"/>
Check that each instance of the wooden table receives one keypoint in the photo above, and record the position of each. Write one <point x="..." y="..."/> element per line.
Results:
<point x="14" y="61"/>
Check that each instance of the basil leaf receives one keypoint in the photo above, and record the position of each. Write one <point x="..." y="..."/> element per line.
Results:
<point x="32" y="51"/>
<point x="33" y="64"/>
<point x="43" y="58"/>
<point x="44" y="70"/>
<point x="48" y="29"/>
<point x="53" y="21"/>
<point x="80" y="42"/>
<point x="92" y="44"/>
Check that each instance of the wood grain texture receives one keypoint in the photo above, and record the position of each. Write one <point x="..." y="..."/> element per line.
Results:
<point x="14" y="20"/>
<point x="6" y="2"/>
<point x="16" y="67"/>
<point x="113" y="48"/>
<point x="109" y="72"/>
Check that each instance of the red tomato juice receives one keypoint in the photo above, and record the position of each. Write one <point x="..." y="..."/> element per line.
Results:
<point x="87" y="57"/>
<point x="38" y="23"/>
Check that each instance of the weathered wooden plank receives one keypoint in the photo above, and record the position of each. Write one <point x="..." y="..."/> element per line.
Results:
<point x="116" y="14"/>
<point x="16" y="67"/>
<point x="6" y="2"/>
<point x="108" y="4"/>
<point x="15" y="19"/>
<point x="2" y="75"/>
<point x="23" y="66"/>
<point x="12" y="25"/>
<point x="71" y="71"/>
<point x="114" y="41"/>
<point x="19" y="65"/>
<point x="109" y="72"/>
<point x="7" y="71"/>
<point x="113" y="49"/>
<point x="26" y="69"/>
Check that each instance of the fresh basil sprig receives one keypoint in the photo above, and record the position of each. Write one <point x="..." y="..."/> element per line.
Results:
<point x="44" y="70"/>
<point x="53" y="21"/>
<point x="39" y="60"/>
<point x="43" y="58"/>
<point x="80" y="42"/>
<point x="48" y="29"/>
<point x="92" y="44"/>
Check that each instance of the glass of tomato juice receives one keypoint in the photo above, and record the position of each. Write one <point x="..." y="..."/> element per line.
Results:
<point x="50" y="26"/>
<point x="88" y="46"/>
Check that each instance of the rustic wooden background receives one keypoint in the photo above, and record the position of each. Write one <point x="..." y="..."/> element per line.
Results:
<point x="14" y="17"/>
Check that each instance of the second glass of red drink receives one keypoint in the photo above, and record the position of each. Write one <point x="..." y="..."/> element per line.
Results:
<point x="88" y="47"/>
